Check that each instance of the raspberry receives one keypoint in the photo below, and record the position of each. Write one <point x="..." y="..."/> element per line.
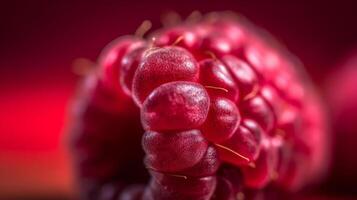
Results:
<point x="341" y="93"/>
<point x="175" y="106"/>
<point x="224" y="190"/>
<point x="243" y="74"/>
<point x="241" y="149"/>
<point x="226" y="114"/>
<point x="184" y="185"/>
<point x="207" y="166"/>
<point x="162" y="65"/>
<point x="214" y="75"/>
<point x="98" y="128"/>
<point x="168" y="187"/>
<point x="219" y="45"/>
<point x="229" y="184"/>
<point x="258" y="109"/>
<point x="179" y="35"/>
<point x="129" y="65"/>
<point x="222" y="120"/>
<point x="263" y="170"/>
<point x="111" y="58"/>
<point x="170" y="152"/>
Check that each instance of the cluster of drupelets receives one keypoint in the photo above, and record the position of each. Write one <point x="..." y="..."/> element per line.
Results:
<point x="224" y="111"/>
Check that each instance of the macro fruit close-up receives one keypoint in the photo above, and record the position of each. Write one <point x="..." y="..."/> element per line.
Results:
<point x="208" y="108"/>
<point x="178" y="100"/>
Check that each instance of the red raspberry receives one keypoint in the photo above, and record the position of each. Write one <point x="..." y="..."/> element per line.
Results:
<point x="172" y="152"/>
<point x="103" y="153"/>
<point x="341" y="93"/>
<point x="162" y="65"/>
<point x="128" y="68"/>
<point x="209" y="92"/>
<point x="111" y="58"/>
<point x="182" y="35"/>
<point x="229" y="184"/>
<point x="215" y="76"/>
<point x="258" y="109"/>
<point x="264" y="168"/>
<point x="222" y="121"/>
<point x="175" y="106"/>
<point x="243" y="75"/>
<point x="217" y="44"/>
<point x="241" y="149"/>
<point x="207" y="166"/>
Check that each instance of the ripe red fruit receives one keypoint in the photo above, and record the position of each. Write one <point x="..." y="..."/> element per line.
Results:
<point x="254" y="127"/>
<point x="225" y="113"/>
<point x="128" y="68"/>
<point x="341" y="92"/>
<point x="290" y="170"/>
<point x="111" y="57"/>
<point x="100" y="145"/>
<point x="243" y="74"/>
<point x="162" y="65"/>
<point x="222" y="121"/>
<point x="217" y="79"/>
<point x="223" y="190"/>
<point x="175" y="106"/>
<point x="207" y="166"/>
<point x="257" y="108"/>
<point x="180" y="36"/>
<point x="241" y="149"/>
<point x="263" y="171"/>
<point x="235" y="34"/>
<point x="183" y="188"/>
<point x="217" y="44"/>
<point x="172" y="152"/>
<point x="229" y="184"/>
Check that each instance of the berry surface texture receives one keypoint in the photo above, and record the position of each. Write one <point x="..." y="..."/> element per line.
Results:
<point x="212" y="108"/>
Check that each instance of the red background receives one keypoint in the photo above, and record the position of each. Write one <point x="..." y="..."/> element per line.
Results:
<point x="39" y="41"/>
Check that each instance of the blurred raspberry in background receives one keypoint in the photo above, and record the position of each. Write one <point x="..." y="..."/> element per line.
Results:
<point x="341" y="93"/>
<point x="40" y="40"/>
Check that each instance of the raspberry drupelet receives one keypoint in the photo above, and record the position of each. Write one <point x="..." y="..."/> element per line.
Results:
<point x="224" y="110"/>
